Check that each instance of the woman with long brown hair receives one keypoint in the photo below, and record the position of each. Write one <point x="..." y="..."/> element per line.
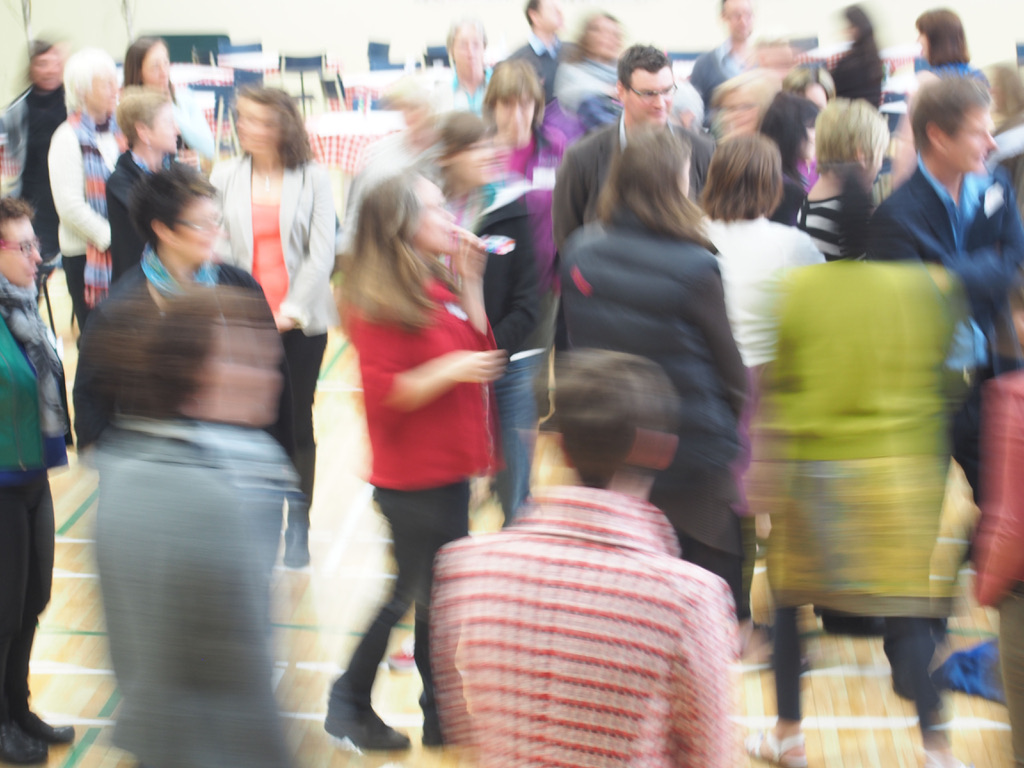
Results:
<point x="426" y="354"/>
<point x="643" y="281"/>
<point x="280" y="221"/>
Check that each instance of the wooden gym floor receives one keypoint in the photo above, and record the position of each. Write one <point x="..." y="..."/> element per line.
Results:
<point x="852" y="717"/>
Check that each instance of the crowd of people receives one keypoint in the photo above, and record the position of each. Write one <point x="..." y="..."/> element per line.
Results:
<point x="744" y="338"/>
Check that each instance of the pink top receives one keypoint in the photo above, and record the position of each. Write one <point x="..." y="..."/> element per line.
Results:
<point x="268" y="267"/>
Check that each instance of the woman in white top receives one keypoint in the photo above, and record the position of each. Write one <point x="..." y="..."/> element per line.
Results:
<point x="147" y="62"/>
<point x="82" y="156"/>
<point x="744" y="186"/>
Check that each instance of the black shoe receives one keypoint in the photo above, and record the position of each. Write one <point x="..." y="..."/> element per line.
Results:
<point x="296" y="547"/>
<point x="34" y="726"/>
<point x="364" y="729"/>
<point x="18" y="747"/>
<point x="432" y="732"/>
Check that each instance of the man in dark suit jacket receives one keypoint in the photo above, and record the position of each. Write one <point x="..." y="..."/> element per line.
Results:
<point x="645" y="88"/>
<point x="951" y="212"/>
<point x="543" y="46"/>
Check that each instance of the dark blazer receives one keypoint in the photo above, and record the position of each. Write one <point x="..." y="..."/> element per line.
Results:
<point x="126" y="243"/>
<point x="628" y="290"/>
<point x="511" y="300"/>
<point x="913" y="224"/>
<point x="585" y="166"/>
<point x="545" y="65"/>
<point x="94" y="411"/>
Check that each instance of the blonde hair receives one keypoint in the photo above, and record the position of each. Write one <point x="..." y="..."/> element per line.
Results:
<point x="849" y="132"/>
<point x="139" y="105"/>
<point x="799" y="79"/>
<point x="1006" y="80"/>
<point x="80" y="72"/>
<point x="761" y="86"/>
<point x="385" y="278"/>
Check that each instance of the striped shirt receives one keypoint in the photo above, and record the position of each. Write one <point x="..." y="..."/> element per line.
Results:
<point x="820" y="220"/>
<point x="578" y="638"/>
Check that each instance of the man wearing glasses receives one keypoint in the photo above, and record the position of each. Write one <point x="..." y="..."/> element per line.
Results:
<point x="646" y="87"/>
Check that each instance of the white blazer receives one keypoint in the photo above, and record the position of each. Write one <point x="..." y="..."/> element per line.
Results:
<point x="308" y="226"/>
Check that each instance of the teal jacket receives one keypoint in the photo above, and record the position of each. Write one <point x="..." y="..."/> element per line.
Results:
<point x="21" y="439"/>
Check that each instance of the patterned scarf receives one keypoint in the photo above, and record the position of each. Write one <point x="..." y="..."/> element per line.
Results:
<point x="97" y="262"/>
<point x="158" y="276"/>
<point x="21" y="314"/>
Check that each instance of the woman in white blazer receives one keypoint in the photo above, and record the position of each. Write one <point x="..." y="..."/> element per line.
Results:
<point x="279" y="219"/>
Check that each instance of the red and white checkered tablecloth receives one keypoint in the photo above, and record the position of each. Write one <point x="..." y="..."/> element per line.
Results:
<point x="8" y="167"/>
<point x="894" y="58"/>
<point x="340" y="139"/>
<point x="367" y="87"/>
<point x="201" y="74"/>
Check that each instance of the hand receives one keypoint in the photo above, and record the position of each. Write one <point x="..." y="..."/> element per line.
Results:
<point x="188" y="157"/>
<point x="284" y="323"/>
<point x="470" y="259"/>
<point x="476" y="367"/>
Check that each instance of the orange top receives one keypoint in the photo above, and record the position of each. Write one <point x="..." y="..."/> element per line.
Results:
<point x="268" y="254"/>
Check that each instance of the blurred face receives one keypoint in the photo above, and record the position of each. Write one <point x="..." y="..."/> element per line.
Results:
<point x="195" y="234"/>
<point x="240" y="382"/>
<point x="648" y="100"/>
<point x="435" y="230"/>
<point x="162" y="135"/>
<point x="604" y="40"/>
<point x="156" y="67"/>
<point x="259" y="131"/>
<point x="548" y="19"/>
<point x="47" y="70"/>
<point x="472" y="168"/>
<point x="101" y="101"/>
<point x="19" y="252"/>
<point x="514" y="120"/>
<point x="967" y="150"/>
<point x="738" y="16"/>
<point x="739" y="113"/>
<point x="468" y="55"/>
<point x="923" y="42"/>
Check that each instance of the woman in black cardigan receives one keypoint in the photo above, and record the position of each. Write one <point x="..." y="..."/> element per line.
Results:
<point x="859" y="74"/>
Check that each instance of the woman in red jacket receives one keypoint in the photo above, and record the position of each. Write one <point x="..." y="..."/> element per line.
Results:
<point x="426" y="353"/>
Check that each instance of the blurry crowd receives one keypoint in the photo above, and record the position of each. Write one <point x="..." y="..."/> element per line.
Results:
<point x="757" y="317"/>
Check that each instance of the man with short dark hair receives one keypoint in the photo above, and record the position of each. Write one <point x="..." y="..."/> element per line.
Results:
<point x="543" y="46"/>
<point x="951" y="212"/>
<point x="646" y="87"/>
<point x="730" y="58"/>
<point x="577" y="637"/>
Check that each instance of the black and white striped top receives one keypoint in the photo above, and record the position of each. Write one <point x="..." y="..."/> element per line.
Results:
<point x="820" y="220"/>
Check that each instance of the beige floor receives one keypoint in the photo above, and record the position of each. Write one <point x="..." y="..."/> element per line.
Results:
<point x="853" y="718"/>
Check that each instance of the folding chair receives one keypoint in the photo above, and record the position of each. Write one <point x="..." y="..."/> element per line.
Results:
<point x="437" y="54"/>
<point x="379" y="56"/>
<point x="303" y="65"/>
<point x="334" y="91"/>
<point x="803" y="44"/>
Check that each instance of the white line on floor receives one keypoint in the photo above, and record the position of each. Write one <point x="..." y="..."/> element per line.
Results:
<point x="360" y="502"/>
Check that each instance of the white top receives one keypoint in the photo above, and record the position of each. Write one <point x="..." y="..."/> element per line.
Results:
<point x="79" y="223"/>
<point x="754" y="257"/>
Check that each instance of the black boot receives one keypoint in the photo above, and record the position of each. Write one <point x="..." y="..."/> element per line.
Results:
<point x="296" y="537"/>
<point x="346" y="719"/>
<point x="35" y="727"/>
<point x="18" y="747"/>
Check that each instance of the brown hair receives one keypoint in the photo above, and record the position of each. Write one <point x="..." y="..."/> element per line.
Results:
<point x="385" y="278"/>
<point x="645" y="181"/>
<point x="293" y="142"/>
<point x="149" y="360"/>
<point x="581" y="50"/>
<point x="513" y="80"/>
<point x="1006" y="79"/>
<point x="14" y="208"/>
<point x="458" y="132"/>
<point x="134" y="57"/>
<point x="947" y="43"/>
<point x="603" y="401"/>
<point x="139" y="105"/>
<point x="744" y="179"/>
<point x="945" y="104"/>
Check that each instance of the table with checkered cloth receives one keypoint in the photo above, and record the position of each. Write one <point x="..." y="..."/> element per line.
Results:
<point x="9" y="168"/>
<point x="269" y="62"/>
<point x="895" y="57"/>
<point x="201" y="74"/>
<point x="340" y="139"/>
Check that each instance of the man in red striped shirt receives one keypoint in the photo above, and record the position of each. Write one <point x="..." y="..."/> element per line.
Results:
<point x="577" y="637"/>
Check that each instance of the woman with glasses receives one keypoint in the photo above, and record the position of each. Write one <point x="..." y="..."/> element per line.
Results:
<point x="34" y="423"/>
<point x="280" y="223"/>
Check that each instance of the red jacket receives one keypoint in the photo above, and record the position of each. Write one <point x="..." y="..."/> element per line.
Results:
<point x="445" y="440"/>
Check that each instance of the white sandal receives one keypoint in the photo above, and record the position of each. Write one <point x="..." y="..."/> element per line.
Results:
<point x="939" y="760"/>
<point x="756" y="742"/>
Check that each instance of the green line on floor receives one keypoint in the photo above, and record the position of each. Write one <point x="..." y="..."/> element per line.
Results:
<point x="111" y="705"/>
<point x="44" y="630"/>
<point x="325" y="371"/>
<point x="80" y="748"/>
<point x="78" y="512"/>
<point x="330" y="630"/>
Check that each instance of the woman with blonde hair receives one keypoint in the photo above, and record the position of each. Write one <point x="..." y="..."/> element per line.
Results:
<point x="739" y="104"/>
<point x="280" y="221"/>
<point x="850" y="142"/>
<point x="643" y="281"/>
<point x="426" y="355"/>
<point x="1008" y="106"/>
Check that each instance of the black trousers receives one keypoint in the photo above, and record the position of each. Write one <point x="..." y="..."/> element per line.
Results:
<point x="724" y="564"/>
<point x="304" y="356"/>
<point x="26" y="577"/>
<point x="421" y="523"/>
<point x="74" y="274"/>
<point x="909" y="646"/>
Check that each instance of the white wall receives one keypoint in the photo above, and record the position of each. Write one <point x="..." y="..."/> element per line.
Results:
<point x="343" y="27"/>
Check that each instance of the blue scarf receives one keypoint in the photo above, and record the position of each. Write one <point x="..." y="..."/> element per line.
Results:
<point x="158" y="276"/>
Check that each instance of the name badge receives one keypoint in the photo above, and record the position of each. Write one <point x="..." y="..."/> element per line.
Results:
<point x="543" y="177"/>
<point x="993" y="200"/>
<point x="456" y="310"/>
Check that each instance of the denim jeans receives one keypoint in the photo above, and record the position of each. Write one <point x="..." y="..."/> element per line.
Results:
<point x="517" y="419"/>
